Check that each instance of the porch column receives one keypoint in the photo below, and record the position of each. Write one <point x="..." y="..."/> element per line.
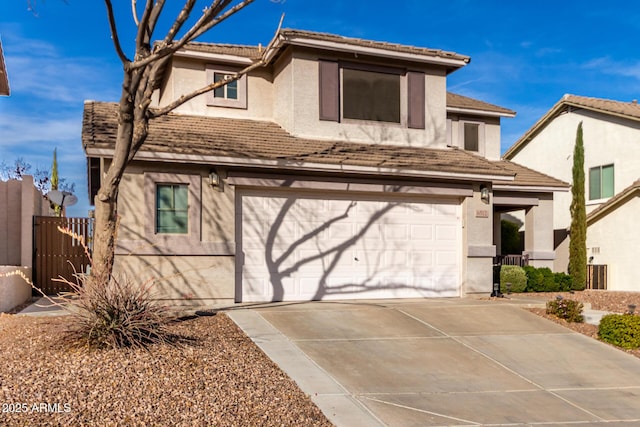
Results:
<point x="497" y="232"/>
<point x="478" y="239"/>
<point x="538" y="236"/>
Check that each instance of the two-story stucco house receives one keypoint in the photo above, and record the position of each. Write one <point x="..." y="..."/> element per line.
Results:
<point x="611" y="131"/>
<point x="343" y="169"/>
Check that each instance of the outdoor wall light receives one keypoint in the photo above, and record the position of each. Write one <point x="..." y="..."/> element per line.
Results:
<point x="214" y="179"/>
<point x="484" y="194"/>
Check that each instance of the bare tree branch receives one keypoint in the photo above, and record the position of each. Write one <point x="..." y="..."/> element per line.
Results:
<point x="155" y="14"/>
<point x="220" y="18"/>
<point x="134" y="12"/>
<point x="228" y="79"/>
<point x="143" y="35"/>
<point x="180" y="20"/>
<point x="114" y="33"/>
<point x="193" y="33"/>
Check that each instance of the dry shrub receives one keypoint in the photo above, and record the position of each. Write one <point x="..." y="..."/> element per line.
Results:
<point x="113" y="313"/>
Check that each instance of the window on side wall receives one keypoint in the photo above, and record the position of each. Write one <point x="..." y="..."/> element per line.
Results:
<point x="472" y="136"/>
<point x="601" y="182"/>
<point x="231" y="95"/>
<point x="172" y="209"/>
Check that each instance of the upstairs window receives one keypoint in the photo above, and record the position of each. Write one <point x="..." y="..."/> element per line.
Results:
<point x="601" y="182"/>
<point x="354" y="91"/>
<point x="231" y="95"/>
<point x="369" y="95"/>
<point x="471" y="136"/>
<point x="228" y="91"/>
<point x="172" y="209"/>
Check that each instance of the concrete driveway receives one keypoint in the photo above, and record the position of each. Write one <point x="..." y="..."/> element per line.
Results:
<point x="445" y="362"/>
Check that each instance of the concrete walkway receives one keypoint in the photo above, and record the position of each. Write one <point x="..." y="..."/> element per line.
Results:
<point x="445" y="362"/>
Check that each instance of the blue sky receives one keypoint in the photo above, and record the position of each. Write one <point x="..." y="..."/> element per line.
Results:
<point x="524" y="56"/>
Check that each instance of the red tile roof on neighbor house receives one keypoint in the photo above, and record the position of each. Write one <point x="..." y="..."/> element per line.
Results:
<point x="627" y="110"/>
<point x="188" y="135"/>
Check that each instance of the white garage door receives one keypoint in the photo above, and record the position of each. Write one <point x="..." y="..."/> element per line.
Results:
<point x="309" y="246"/>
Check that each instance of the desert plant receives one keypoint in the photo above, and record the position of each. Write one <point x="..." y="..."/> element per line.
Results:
<point x="622" y="330"/>
<point x="567" y="309"/>
<point x="544" y="280"/>
<point x="114" y="314"/>
<point x="514" y="275"/>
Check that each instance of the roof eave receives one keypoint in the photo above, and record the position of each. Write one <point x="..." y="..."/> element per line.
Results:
<point x="473" y="111"/>
<point x="297" y="165"/>
<point x="454" y="63"/>
<point x="529" y="188"/>
<point x="217" y="57"/>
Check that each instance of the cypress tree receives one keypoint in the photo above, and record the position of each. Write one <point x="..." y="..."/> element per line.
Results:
<point x="578" y="231"/>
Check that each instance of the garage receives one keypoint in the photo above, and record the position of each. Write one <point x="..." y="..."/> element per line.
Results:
<point x="295" y="245"/>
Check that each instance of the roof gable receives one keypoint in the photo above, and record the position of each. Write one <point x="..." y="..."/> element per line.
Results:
<point x="627" y="110"/>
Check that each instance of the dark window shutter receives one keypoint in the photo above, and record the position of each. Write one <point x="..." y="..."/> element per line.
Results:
<point x="329" y="91"/>
<point x="415" y="85"/>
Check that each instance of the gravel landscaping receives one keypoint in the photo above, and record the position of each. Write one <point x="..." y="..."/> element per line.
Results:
<point x="218" y="378"/>
<point x="612" y="301"/>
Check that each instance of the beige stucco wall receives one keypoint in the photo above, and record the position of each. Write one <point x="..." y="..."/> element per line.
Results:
<point x="14" y="290"/>
<point x="489" y="134"/>
<point x="189" y="75"/>
<point x="606" y="140"/>
<point x="184" y="267"/>
<point x="200" y="279"/>
<point x="616" y="238"/>
<point x="294" y="78"/>
<point x="19" y="202"/>
<point x="477" y="244"/>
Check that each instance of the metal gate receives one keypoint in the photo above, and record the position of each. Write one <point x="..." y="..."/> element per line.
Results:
<point x="596" y="276"/>
<point x="56" y="254"/>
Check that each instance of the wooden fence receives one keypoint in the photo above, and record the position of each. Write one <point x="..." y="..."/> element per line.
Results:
<point x="56" y="254"/>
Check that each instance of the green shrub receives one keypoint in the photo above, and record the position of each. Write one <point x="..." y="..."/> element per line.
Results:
<point x="544" y="280"/>
<point x="563" y="282"/>
<point x="622" y="330"/>
<point x="534" y="279"/>
<point x="515" y="275"/>
<point x="567" y="309"/>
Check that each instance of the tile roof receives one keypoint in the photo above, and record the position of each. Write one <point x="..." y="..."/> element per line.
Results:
<point x="628" y="110"/>
<point x="458" y="101"/>
<point x="289" y="33"/>
<point x="251" y="52"/>
<point x="529" y="177"/>
<point x="291" y="36"/>
<point x="617" y="200"/>
<point x="253" y="139"/>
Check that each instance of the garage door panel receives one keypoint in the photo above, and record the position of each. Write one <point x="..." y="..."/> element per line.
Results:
<point x="304" y="247"/>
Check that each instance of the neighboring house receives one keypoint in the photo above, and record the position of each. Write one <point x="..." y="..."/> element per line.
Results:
<point x="341" y="170"/>
<point x="4" y="79"/>
<point x="611" y="132"/>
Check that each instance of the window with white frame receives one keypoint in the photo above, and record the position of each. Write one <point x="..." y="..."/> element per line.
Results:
<point x="472" y="136"/>
<point x="601" y="182"/>
<point x="233" y="94"/>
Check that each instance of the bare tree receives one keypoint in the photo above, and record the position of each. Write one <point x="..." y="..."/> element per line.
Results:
<point x="142" y="75"/>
